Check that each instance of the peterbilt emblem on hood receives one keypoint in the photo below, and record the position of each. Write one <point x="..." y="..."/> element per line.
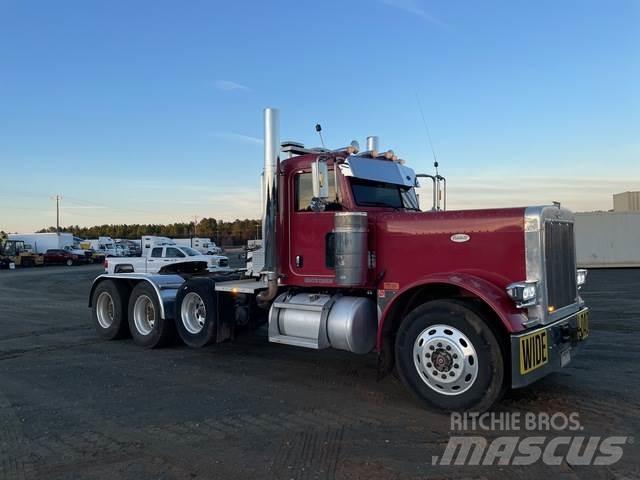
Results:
<point x="460" y="237"/>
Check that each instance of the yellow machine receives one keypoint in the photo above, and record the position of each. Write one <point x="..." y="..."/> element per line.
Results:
<point x="15" y="251"/>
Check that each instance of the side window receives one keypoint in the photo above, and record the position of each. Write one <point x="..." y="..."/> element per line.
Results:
<point x="174" y="253"/>
<point x="156" y="252"/>
<point x="304" y="190"/>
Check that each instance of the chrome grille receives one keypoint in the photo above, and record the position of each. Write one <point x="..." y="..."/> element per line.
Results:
<point x="560" y="263"/>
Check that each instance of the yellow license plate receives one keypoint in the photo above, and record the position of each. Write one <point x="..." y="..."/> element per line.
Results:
<point x="582" y="322"/>
<point x="534" y="351"/>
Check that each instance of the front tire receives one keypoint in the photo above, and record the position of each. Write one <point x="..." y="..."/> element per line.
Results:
<point x="197" y="312"/>
<point x="449" y="357"/>
<point x="109" y="310"/>
<point x="147" y="327"/>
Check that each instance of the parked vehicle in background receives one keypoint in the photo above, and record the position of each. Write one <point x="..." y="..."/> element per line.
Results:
<point x="41" y="242"/>
<point x="150" y="241"/>
<point x="253" y="245"/>
<point x="464" y="304"/>
<point x="84" y="256"/>
<point x="161" y="256"/>
<point x="16" y="252"/>
<point x="97" y="257"/>
<point x="131" y="247"/>
<point x="59" y="256"/>
<point x="108" y="246"/>
<point x="206" y="246"/>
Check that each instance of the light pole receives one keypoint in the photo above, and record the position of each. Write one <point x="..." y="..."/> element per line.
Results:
<point x="57" y="198"/>
<point x="195" y="225"/>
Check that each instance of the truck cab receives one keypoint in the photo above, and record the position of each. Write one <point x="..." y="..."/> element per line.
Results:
<point x="463" y="303"/>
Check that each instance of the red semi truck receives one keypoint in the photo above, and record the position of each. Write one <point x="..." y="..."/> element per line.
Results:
<point x="465" y="304"/>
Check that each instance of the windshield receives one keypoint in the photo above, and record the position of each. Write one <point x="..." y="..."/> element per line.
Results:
<point x="191" y="252"/>
<point x="378" y="194"/>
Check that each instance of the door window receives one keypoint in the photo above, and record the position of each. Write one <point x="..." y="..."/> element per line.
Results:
<point x="174" y="253"/>
<point x="304" y="190"/>
<point x="156" y="252"/>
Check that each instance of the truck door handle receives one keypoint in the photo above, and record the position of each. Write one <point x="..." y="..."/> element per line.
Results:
<point x="299" y="261"/>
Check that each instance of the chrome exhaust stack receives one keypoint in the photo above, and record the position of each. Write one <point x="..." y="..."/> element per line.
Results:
<point x="373" y="144"/>
<point x="270" y="203"/>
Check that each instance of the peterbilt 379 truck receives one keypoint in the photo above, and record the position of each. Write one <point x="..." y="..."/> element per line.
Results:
<point x="464" y="304"/>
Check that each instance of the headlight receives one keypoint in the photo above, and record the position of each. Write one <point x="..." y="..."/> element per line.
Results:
<point x="524" y="294"/>
<point x="581" y="277"/>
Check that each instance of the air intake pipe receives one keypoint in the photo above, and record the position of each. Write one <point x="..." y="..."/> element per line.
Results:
<point x="270" y="204"/>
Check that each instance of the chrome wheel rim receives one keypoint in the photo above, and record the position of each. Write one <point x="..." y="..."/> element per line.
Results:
<point x="193" y="313"/>
<point x="144" y="315"/>
<point x="445" y="359"/>
<point x="105" y="310"/>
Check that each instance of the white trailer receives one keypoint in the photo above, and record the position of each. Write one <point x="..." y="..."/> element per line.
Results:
<point x="150" y="241"/>
<point x="204" y="245"/>
<point x="41" y="242"/>
<point x="608" y="239"/>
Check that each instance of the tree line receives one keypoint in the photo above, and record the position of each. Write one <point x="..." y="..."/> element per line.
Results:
<point x="223" y="233"/>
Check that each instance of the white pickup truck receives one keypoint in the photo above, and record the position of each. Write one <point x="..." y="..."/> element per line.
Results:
<point x="165" y="257"/>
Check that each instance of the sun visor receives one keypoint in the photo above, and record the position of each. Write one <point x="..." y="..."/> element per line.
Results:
<point x="385" y="171"/>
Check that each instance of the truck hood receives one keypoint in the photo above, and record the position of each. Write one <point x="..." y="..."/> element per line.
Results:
<point x="489" y="243"/>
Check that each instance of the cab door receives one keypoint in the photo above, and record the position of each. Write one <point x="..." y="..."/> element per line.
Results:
<point x="154" y="260"/>
<point x="310" y="233"/>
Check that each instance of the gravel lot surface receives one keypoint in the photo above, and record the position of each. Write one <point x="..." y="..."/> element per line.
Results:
<point x="72" y="406"/>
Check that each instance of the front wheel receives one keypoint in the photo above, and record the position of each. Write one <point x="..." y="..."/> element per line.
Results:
<point x="69" y="262"/>
<point x="449" y="357"/>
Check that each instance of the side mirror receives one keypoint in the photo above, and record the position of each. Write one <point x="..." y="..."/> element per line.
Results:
<point x="320" y="179"/>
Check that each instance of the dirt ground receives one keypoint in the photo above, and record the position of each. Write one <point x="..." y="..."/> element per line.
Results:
<point x="75" y="407"/>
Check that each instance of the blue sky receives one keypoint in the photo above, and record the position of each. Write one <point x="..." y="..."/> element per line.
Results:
<point x="150" y="111"/>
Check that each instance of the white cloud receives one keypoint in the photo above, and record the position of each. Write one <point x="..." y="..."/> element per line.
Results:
<point x="83" y="207"/>
<point x="228" y="86"/>
<point x="414" y="7"/>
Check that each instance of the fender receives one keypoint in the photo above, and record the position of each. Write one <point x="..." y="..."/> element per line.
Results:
<point x="165" y="286"/>
<point x="490" y="293"/>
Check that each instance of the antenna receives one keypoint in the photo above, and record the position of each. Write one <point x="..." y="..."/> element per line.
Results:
<point x="426" y="128"/>
<point x="319" y="130"/>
